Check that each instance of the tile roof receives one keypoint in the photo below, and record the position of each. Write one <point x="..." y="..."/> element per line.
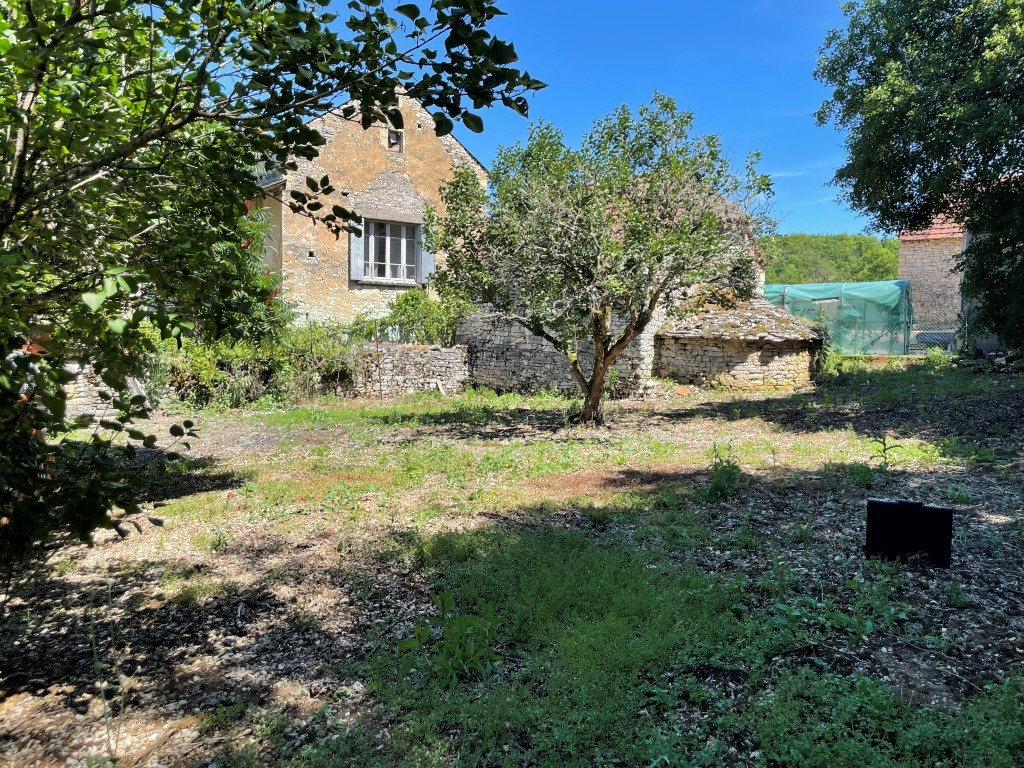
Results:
<point x="941" y="229"/>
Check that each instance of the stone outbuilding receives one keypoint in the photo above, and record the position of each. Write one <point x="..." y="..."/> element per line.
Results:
<point x="752" y="346"/>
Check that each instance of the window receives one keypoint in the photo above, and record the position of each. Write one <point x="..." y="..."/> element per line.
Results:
<point x="390" y="250"/>
<point x="396" y="141"/>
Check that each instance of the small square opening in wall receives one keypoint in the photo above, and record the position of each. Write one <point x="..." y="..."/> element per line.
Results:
<point x="396" y="141"/>
<point x="311" y="254"/>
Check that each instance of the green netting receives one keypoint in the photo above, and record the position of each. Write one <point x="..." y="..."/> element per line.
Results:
<point x="862" y="318"/>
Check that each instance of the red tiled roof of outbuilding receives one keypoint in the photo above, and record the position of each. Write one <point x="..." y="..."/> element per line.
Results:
<point x="942" y="228"/>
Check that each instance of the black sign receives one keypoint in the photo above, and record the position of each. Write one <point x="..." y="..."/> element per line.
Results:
<point x="899" y="530"/>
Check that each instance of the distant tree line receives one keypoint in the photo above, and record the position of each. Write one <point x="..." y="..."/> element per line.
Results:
<point x="831" y="259"/>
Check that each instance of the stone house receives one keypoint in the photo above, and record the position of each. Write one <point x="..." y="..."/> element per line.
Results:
<point x="754" y="345"/>
<point x="927" y="259"/>
<point x="388" y="176"/>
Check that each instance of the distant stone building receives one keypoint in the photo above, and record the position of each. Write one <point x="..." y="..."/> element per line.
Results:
<point x="752" y="346"/>
<point x="386" y="175"/>
<point x="927" y="259"/>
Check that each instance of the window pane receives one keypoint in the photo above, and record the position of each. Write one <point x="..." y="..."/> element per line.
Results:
<point x="380" y="257"/>
<point x="396" y="251"/>
<point x="410" y="252"/>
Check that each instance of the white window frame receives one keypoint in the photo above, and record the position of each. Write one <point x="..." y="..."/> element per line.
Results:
<point x="408" y="260"/>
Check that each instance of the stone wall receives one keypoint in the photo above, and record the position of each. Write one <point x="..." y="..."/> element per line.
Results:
<point x="83" y="394"/>
<point x="392" y="370"/>
<point x="743" y="365"/>
<point x="934" y="288"/>
<point x="506" y="357"/>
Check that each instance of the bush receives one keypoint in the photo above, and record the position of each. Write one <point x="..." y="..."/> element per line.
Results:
<point x="298" y="364"/>
<point x="414" y="317"/>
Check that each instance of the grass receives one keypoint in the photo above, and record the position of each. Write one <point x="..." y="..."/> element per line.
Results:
<point x="522" y="592"/>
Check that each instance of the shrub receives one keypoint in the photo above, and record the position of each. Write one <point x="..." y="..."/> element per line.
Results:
<point x="415" y="317"/>
<point x="298" y="364"/>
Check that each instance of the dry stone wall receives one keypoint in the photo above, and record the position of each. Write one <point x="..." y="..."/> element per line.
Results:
<point x="744" y="365"/>
<point x="83" y="393"/>
<point x="392" y="370"/>
<point x="506" y="357"/>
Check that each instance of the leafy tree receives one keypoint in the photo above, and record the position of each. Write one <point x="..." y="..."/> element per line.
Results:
<point x="584" y="246"/>
<point x="931" y="93"/>
<point x="133" y="132"/>
<point x="802" y="258"/>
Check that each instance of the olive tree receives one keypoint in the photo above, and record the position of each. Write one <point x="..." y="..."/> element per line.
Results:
<point x="131" y="135"/>
<point x="582" y="246"/>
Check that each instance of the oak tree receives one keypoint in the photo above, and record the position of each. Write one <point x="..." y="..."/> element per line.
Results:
<point x="931" y="95"/>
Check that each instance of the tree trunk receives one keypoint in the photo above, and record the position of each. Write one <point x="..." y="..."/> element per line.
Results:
<point x="591" y="413"/>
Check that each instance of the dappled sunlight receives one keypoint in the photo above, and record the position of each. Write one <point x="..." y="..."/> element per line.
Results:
<point x="610" y="586"/>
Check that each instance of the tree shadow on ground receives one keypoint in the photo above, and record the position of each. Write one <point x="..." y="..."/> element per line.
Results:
<point x="164" y="480"/>
<point x="487" y="422"/>
<point x="289" y="623"/>
<point x="915" y="403"/>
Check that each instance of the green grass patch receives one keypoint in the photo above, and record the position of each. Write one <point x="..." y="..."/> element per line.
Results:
<point x="579" y="627"/>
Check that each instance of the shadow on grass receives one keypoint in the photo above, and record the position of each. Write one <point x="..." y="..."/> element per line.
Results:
<point x="916" y="402"/>
<point x="660" y="623"/>
<point x="165" y="480"/>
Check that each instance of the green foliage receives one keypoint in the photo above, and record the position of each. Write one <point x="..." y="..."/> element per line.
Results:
<point x="587" y="622"/>
<point x="885" y="451"/>
<point x="937" y="361"/>
<point x="299" y="363"/>
<point x="132" y="140"/>
<point x="582" y="246"/>
<point x="801" y="258"/>
<point x="453" y="647"/>
<point x="415" y="317"/>
<point x="724" y="475"/>
<point x="928" y="96"/>
<point x="812" y="719"/>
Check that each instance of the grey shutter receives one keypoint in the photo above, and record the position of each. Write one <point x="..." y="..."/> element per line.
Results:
<point x="425" y="262"/>
<point x="355" y="253"/>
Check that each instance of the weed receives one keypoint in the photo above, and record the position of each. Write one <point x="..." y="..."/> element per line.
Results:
<point x="211" y="541"/>
<point x="224" y="716"/>
<point x="958" y="494"/>
<point x="453" y="647"/>
<point x="725" y="474"/>
<point x="955" y="595"/>
<point x="599" y="517"/>
<point x="884" y="451"/>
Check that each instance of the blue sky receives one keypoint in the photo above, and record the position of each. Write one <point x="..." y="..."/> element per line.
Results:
<point x="743" y="67"/>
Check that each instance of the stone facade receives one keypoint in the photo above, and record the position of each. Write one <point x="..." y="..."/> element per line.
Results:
<point x="392" y="370"/>
<point x="83" y="394"/>
<point x="377" y="179"/>
<point x="743" y="365"/>
<point x="927" y="260"/>
<point x="506" y="357"/>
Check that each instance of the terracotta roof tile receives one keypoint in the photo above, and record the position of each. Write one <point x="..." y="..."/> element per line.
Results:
<point x="941" y="229"/>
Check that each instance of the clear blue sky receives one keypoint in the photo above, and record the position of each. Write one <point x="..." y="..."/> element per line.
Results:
<point x="743" y="67"/>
